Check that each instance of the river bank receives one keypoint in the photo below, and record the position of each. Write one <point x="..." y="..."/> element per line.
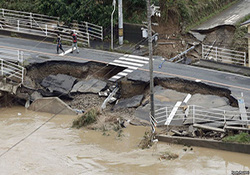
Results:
<point x="56" y="148"/>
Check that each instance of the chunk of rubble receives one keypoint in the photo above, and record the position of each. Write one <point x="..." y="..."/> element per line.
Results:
<point x="59" y="83"/>
<point x="133" y="102"/>
<point x="35" y="95"/>
<point x="52" y="105"/>
<point x="89" y="86"/>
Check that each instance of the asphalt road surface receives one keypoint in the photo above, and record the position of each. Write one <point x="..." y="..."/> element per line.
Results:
<point x="35" y="49"/>
<point x="229" y="16"/>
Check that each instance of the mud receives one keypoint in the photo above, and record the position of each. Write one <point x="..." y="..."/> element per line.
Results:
<point x="56" y="148"/>
<point x="82" y="71"/>
<point x="37" y="72"/>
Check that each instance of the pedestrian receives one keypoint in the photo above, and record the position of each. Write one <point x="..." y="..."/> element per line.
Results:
<point x="59" y="43"/>
<point x="74" y="41"/>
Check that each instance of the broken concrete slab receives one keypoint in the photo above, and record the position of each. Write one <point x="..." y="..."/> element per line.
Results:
<point x="208" y="101"/>
<point x="142" y="112"/>
<point x="7" y="87"/>
<point x="167" y="95"/>
<point x="52" y="105"/>
<point x="59" y="83"/>
<point x="133" y="102"/>
<point x="35" y="95"/>
<point x="198" y="36"/>
<point x="89" y="86"/>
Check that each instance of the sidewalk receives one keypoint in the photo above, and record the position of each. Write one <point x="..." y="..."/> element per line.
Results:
<point x="223" y="67"/>
<point x="130" y="48"/>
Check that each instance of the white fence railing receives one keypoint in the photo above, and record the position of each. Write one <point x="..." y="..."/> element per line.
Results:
<point x="200" y="115"/>
<point x="11" y="55"/>
<point x="11" y="71"/>
<point x="49" y="26"/>
<point x="223" y="55"/>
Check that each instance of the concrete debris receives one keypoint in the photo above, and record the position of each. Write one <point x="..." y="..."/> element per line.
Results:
<point x="198" y="36"/>
<point x="54" y="105"/>
<point x="35" y="95"/>
<point x="89" y="86"/>
<point x="133" y="102"/>
<point x="112" y="100"/>
<point x="59" y="83"/>
<point x="104" y="93"/>
<point x="79" y="111"/>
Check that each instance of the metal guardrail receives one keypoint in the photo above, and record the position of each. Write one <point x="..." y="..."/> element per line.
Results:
<point x="9" y="65"/>
<point x="11" y="71"/>
<point x="223" y="55"/>
<point x="11" y="55"/>
<point x="198" y="115"/>
<point x="48" y="26"/>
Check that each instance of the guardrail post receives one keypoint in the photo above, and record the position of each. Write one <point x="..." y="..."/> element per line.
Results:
<point x="22" y="74"/>
<point x="87" y="28"/>
<point x="3" y="12"/>
<point x="88" y="40"/>
<point x="166" y="113"/>
<point x="193" y="114"/>
<point x="245" y="59"/>
<point x="202" y="52"/>
<point x="216" y="52"/>
<point x="21" y="56"/>
<point x="30" y="20"/>
<point x="2" y="67"/>
<point x="18" y="55"/>
<point x="17" y="25"/>
<point x="225" y="120"/>
<point x="46" y="29"/>
<point x="102" y="33"/>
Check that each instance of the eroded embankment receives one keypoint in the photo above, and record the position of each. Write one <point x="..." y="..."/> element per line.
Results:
<point x="132" y="88"/>
<point x="80" y="72"/>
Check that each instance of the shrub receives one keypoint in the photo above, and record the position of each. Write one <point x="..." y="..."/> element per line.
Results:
<point x="87" y="118"/>
<point x="239" y="138"/>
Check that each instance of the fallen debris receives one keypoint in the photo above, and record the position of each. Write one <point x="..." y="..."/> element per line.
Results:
<point x="168" y="156"/>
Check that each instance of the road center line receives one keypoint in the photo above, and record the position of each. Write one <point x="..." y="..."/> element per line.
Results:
<point x="163" y="73"/>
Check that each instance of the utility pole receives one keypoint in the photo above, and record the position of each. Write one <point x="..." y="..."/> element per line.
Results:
<point x="112" y="28"/>
<point x="120" y="16"/>
<point x="150" y="48"/>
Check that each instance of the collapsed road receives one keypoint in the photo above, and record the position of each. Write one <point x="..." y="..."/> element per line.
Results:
<point x="237" y="84"/>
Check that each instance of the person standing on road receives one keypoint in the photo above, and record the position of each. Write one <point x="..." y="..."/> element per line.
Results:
<point x="74" y="42"/>
<point x="59" y="43"/>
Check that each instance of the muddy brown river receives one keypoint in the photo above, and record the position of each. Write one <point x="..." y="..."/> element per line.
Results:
<point x="57" y="149"/>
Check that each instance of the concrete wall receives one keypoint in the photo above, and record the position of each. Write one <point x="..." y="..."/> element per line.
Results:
<point x="234" y="147"/>
<point x="52" y="105"/>
<point x="249" y="46"/>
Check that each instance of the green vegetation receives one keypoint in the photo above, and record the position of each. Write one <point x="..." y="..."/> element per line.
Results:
<point x="239" y="138"/>
<point x="205" y="18"/>
<point x="187" y="12"/>
<point x="87" y="118"/>
<point x="192" y="12"/>
<point x="239" y="40"/>
<point x="146" y="142"/>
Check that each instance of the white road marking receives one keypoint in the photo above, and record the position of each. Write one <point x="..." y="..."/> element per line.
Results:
<point x="230" y="19"/>
<point x="133" y="60"/>
<point x="130" y="67"/>
<point x="135" y="56"/>
<point x="129" y="63"/>
<point x="122" y="73"/>
<point x="67" y="51"/>
<point x="115" y="77"/>
<point x="128" y="70"/>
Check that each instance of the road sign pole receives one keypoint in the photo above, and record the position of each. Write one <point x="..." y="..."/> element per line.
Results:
<point x="150" y="47"/>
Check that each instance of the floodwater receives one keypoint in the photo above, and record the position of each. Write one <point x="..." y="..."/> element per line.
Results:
<point x="57" y="149"/>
